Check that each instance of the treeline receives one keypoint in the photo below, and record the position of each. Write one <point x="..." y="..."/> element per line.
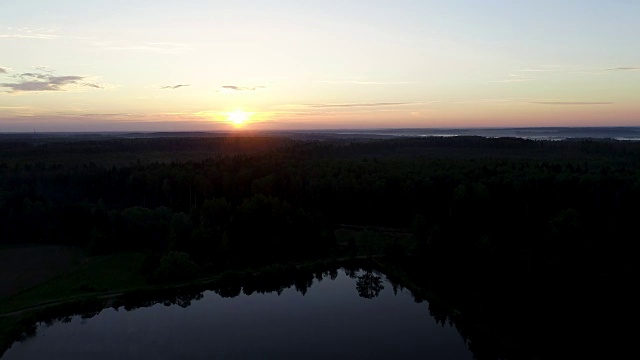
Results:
<point x="535" y="210"/>
<point x="518" y="226"/>
<point x="269" y="280"/>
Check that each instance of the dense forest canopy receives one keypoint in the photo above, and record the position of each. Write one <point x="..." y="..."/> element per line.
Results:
<point x="539" y="229"/>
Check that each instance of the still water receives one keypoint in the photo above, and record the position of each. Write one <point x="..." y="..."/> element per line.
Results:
<point x="348" y="315"/>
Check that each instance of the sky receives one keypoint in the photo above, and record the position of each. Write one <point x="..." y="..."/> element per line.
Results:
<point x="93" y="65"/>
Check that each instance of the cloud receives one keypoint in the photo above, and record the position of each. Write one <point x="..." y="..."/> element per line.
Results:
<point x="545" y="68"/>
<point x="28" y="33"/>
<point x="357" y="82"/>
<point x="357" y="105"/>
<point x="29" y="36"/>
<point x="534" y="70"/>
<point x="241" y="88"/>
<point x="174" y="86"/>
<point x="494" y="101"/>
<point x="576" y="70"/>
<point x="571" y="102"/>
<point x="3" y="70"/>
<point x="153" y="47"/>
<point x="102" y="114"/>
<point x="624" y="68"/>
<point x="47" y="82"/>
<point x="32" y="75"/>
<point x="513" y="78"/>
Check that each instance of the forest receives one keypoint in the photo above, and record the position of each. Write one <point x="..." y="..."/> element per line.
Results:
<point x="531" y="239"/>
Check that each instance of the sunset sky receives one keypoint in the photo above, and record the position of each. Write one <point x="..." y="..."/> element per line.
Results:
<point x="93" y="65"/>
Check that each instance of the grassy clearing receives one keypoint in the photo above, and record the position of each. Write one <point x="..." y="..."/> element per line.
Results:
<point x="367" y="240"/>
<point x="9" y="326"/>
<point x="117" y="272"/>
<point x="81" y="280"/>
<point x="22" y="267"/>
<point x="121" y="272"/>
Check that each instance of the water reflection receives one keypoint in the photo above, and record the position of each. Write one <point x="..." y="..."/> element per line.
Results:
<point x="369" y="285"/>
<point x="335" y="313"/>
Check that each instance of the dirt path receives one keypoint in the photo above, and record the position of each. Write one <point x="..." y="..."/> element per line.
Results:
<point x="118" y="293"/>
<point x="104" y="296"/>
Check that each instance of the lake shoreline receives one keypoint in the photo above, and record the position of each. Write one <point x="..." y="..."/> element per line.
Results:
<point x="16" y="322"/>
<point x="24" y="321"/>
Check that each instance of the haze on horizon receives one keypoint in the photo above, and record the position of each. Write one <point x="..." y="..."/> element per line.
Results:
<point x="96" y="65"/>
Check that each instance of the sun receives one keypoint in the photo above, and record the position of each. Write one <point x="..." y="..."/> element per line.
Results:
<point x="238" y="117"/>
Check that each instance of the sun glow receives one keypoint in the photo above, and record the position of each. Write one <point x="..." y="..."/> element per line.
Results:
<point x="238" y="117"/>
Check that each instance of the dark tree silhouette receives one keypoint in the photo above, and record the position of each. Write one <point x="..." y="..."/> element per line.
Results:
<point x="369" y="285"/>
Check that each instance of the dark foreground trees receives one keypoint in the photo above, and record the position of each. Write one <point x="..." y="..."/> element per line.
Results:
<point x="519" y="233"/>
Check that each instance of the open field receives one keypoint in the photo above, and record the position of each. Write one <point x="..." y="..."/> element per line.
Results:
<point x="26" y="266"/>
<point x="93" y="275"/>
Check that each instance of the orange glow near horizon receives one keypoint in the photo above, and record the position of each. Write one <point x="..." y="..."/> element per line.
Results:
<point x="238" y="118"/>
<point x="137" y="70"/>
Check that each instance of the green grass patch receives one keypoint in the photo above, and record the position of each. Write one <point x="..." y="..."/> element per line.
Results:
<point x="7" y="332"/>
<point x="102" y="274"/>
<point x="372" y="241"/>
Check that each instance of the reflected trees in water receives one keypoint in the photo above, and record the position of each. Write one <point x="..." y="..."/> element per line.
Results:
<point x="369" y="285"/>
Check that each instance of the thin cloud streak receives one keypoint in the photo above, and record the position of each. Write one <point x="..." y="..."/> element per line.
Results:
<point x="356" y="82"/>
<point x="154" y="47"/>
<point x="34" y="36"/>
<point x="174" y="86"/>
<point x="514" y="78"/>
<point x="241" y="88"/>
<point x="624" y="68"/>
<point x="32" y="75"/>
<point x="28" y="33"/>
<point x="548" y="68"/>
<point x="571" y="102"/>
<point x="534" y="70"/>
<point x="358" y="105"/>
<point x="46" y="82"/>
<point x="103" y="114"/>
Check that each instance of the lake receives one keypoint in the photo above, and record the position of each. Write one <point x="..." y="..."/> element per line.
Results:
<point x="342" y="314"/>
